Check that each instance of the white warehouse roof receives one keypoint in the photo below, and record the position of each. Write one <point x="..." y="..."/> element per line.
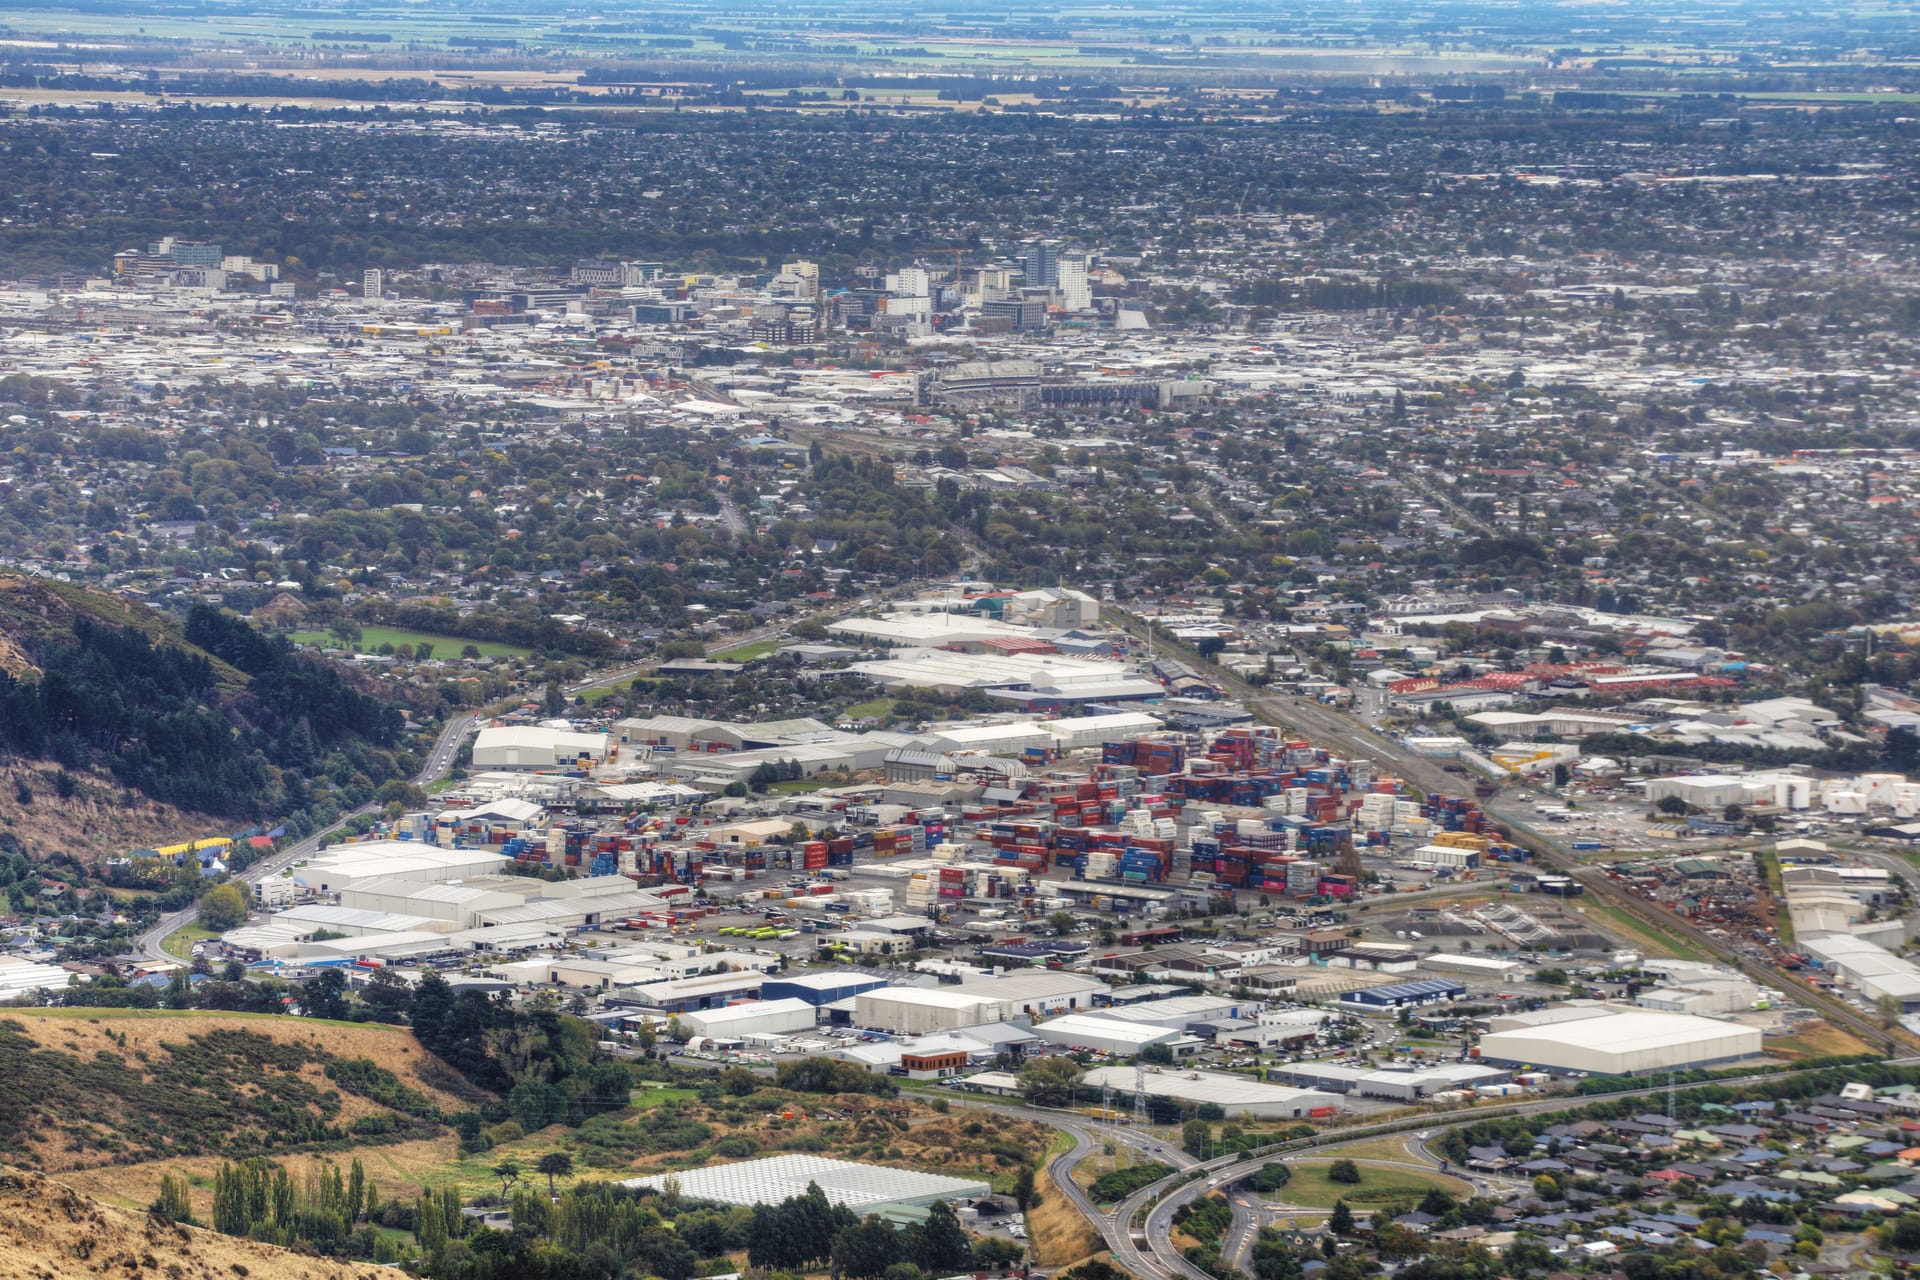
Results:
<point x="930" y="997"/>
<point x="1608" y="1040"/>
<point x="1236" y="1094"/>
<point x="1875" y="970"/>
<point x="530" y="746"/>
<point x="345" y="864"/>
<point x="1008" y="737"/>
<point x="1097" y="1031"/>
<point x="791" y="1014"/>
<point x="20" y="977"/>
<point x="930" y="630"/>
<point x="952" y="671"/>
<point x="860" y="1187"/>
<point x="1091" y="731"/>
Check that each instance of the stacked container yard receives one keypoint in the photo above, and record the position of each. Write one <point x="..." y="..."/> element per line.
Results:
<point x="869" y="902"/>
<point x="922" y="893"/>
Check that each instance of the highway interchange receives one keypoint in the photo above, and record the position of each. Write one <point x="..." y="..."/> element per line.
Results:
<point x="1139" y="1229"/>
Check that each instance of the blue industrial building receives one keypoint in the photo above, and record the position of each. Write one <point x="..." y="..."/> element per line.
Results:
<point x="819" y="988"/>
<point x="1404" y="995"/>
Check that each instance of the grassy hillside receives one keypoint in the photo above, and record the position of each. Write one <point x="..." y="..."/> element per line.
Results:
<point x="38" y="612"/>
<point x="85" y="1088"/>
<point x="51" y="1232"/>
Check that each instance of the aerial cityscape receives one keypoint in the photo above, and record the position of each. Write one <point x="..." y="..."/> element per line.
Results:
<point x="876" y="642"/>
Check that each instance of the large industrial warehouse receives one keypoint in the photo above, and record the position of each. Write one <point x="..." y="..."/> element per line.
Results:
<point x="536" y="747"/>
<point x="1876" y="971"/>
<point x="819" y="988"/>
<point x="1611" y="1041"/>
<point x="863" y="1188"/>
<point x="915" y="1011"/>
<point x="755" y="1017"/>
<point x="344" y="865"/>
<point x="1103" y="1034"/>
<point x="1238" y="1095"/>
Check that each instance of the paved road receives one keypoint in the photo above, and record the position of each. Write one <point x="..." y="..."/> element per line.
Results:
<point x="438" y="764"/>
<point x="439" y="761"/>
<point x="731" y="519"/>
<point x="1334" y="729"/>
<point x="1149" y="1252"/>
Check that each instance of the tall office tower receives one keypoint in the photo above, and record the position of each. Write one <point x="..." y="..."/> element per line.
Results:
<point x="1076" y="290"/>
<point x="1042" y="261"/>
<point x="372" y="283"/>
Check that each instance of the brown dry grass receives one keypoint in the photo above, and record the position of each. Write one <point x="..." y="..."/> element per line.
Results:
<point x="48" y="1231"/>
<point x="400" y="1171"/>
<point x="126" y="1030"/>
<point x="1061" y="1234"/>
<point x="1816" y="1040"/>
<point x="900" y="1131"/>
<point x="131" y="1032"/>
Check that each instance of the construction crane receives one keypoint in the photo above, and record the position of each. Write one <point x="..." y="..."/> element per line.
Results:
<point x="959" y="258"/>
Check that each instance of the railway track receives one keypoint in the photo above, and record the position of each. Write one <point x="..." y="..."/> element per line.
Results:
<point x="1338" y="731"/>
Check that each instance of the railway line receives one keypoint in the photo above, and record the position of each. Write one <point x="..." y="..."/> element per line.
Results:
<point x="1334" y="729"/>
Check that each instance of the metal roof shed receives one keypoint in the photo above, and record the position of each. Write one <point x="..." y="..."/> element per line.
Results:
<point x="863" y="1188"/>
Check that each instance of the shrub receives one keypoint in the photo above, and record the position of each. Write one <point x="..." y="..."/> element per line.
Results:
<point x="1121" y="1183"/>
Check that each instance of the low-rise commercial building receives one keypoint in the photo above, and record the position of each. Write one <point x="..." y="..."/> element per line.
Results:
<point x="535" y="747"/>
<point x="1237" y="1095"/>
<point x="755" y="1017"/>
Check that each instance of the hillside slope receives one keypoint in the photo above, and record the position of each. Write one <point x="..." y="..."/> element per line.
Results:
<point x="37" y="612"/>
<point x="86" y="1088"/>
<point x="51" y="1232"/>
<point x="96" y="818"/>
<point x="209" y="715"/>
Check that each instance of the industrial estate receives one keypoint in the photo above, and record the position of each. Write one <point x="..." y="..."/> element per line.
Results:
<point x="842" y="643"/>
